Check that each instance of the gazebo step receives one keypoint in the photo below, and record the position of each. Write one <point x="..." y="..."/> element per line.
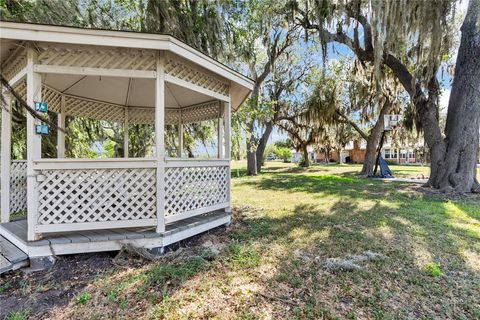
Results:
<point x="11" y="257"/>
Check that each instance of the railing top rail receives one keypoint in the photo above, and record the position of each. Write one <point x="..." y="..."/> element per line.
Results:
<point x="176" y="162"/>
<point x="19" y="161"/>
<point x="116" y="163"/>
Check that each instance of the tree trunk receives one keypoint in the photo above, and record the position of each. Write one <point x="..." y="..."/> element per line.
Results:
<point x="262" y="145"/>
<point x="306" y="158"/>
<point x="456" y="167"/>
<point x="251" y="153"/>
<point x="251" y="140"/>
<point x="252" y="163"/>
<point x="370" y="156"/>
<point x="373" y="141"/>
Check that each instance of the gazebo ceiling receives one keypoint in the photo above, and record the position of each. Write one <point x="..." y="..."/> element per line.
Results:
<point x="72" y="48"/>
<point x="123" y="91"/>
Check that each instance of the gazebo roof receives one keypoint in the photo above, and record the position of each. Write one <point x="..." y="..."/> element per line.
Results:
<point x="193" y="77"/>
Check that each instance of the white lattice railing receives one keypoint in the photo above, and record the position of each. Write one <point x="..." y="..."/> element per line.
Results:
<point x="95" y="194"/>
<point x="195" y="186"/>
<point x="120" y="193"/>
<point x="18" y="186"/>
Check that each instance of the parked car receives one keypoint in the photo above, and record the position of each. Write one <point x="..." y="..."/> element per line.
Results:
<point x="271" y="157"/>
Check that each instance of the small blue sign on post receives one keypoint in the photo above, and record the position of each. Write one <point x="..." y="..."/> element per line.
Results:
<point x="41" y="107"/>
<point x="42" y="129"/>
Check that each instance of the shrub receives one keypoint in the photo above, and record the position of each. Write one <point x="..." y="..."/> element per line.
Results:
<point x="284" y="153"/>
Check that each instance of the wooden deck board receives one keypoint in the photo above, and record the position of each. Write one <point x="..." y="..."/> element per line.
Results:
<point x="112" y="239"/>
<point x="11" y="252"/>
<point x="5" y="265"/>
<point x="11" y="257"/>
<point x="95" y="235"/>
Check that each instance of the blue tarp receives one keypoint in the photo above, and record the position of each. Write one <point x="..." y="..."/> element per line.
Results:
<point x="385" y="171"/>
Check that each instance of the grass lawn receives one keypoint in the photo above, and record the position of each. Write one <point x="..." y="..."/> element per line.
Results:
<point x="416" y="255"/>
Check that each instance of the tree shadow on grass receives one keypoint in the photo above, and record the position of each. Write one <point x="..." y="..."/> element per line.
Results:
<point x="406" y="236"/>
<point x="327" y="184"/>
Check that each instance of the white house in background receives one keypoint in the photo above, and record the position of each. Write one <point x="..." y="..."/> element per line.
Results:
<point x="91" y="205"/>
<point x="297" y="156"/>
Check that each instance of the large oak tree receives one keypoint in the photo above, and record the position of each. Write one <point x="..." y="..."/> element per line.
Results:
<point x="411" y="38"/>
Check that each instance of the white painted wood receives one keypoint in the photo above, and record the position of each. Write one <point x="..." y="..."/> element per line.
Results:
<point x="17" y="241"/>
<point x="196" y="212"/>
<point x="190" y="188"/>
<point x="95" y="225"/>
<point x="93" y="196"/>
<point x="227" y="119"/>
<point x="227" y="116"/>
<point x="34" y="141"/>
<point x="187" y="162"/>
<point x="160" y="139"/>
<point x="194" y="87"/>
<point x="18" y="77"/>
<point x="32" y="32"/>
<point x="125" y="134"/>
<point x="79" y="164"/>
<point x="85" y="71"/>
<point x="220" y="137"/>
<point x="18" y="186"/>
<point x="5" y="158"/>
<point x="60" y="133"/>
<point x="190" y="232"/>
<point x="59" y="248"/>
<point x="180" y="140"/>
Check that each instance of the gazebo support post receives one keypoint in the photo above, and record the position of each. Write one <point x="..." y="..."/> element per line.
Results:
<point x="160" y="139"/>
<point x="227" y="114"/>
<point x="125" y="134"/>
<point x="6" y="159"/>
<point x="60" y="133"/>
<point x="220" y="133"/>
<point x="34" y="142"/>
<point x="180" y="138"/>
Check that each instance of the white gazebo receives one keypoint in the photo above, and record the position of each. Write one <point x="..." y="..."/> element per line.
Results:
<point x="87" y="205"/>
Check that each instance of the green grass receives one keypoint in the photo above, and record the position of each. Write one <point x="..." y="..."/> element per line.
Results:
<point x="289" y="222"/>
<point x="433" y="269"/>
<point x="83" y="298"/>
<point x="19" y="315"/>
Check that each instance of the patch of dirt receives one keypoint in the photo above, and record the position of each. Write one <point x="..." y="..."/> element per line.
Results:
<point x="39" y="291"/>
<point x="42" y="291"/>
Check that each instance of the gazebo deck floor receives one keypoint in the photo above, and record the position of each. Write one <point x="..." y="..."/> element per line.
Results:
<point x="109" y="240"/>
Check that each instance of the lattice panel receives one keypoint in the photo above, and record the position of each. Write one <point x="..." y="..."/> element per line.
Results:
<point x="18" y="186"/>
<point x="207" y="111"/>
<point x="21" y="89"/>
<point x="141" y="115"/>
<point x="172" y="116"/>
<point x="80" y="107"/>
<point x="76" y="196"/>
<point x="203" y="112"/>
<point x="13" y="66"/>
<point x="191" y="188"/>
<point x="53" y="98"/>
<point x="95" y="57"/>
<point x="182" y="70"/>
